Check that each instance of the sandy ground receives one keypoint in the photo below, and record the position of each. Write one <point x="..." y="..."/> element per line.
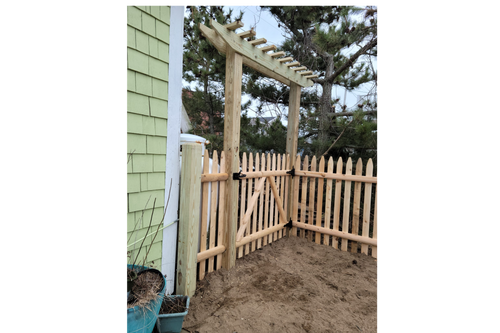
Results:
<point x="292" y="285"/>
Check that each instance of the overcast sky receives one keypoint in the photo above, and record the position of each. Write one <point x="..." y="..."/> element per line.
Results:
<point x="267" y="27"/>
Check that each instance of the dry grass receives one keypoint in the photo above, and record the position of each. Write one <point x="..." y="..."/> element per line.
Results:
<point x="173" y="305"/>
<point x="146" y="289"/>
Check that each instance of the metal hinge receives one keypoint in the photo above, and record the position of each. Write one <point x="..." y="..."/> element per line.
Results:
<point x="291" y="172"/>
<point x="238" y="175"/>
<point x="289" y="224"/>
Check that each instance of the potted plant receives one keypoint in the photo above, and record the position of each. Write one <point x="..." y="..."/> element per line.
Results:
<point x="145" y="290"/>
<point x="172" y="312"/>
<point x="145" y="299"/>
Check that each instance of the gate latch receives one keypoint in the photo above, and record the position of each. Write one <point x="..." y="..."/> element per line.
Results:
<point x="238" y="175"/>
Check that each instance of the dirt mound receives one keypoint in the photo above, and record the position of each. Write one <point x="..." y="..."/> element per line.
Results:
<point x="291" y="285"/>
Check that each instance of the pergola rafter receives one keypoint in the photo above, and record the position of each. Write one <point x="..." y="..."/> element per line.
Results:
<point x="239" y="51"/>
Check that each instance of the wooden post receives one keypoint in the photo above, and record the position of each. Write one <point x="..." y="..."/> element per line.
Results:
<point x="292" y="138"/>
<point x="232" y="113"/>
<point x="189" y="219"/>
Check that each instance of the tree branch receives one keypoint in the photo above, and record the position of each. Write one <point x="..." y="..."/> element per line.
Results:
<point x="351" y="60"/>
<point x="337" y="139"/>
<point x="348" y="114"/>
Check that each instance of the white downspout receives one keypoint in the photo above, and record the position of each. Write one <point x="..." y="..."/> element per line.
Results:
<point x="173" y="133"/>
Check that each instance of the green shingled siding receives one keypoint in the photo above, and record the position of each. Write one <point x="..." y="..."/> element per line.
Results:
<point x="148" y="33"/>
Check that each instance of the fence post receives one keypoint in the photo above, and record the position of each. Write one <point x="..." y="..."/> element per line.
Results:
<point x="292" y="135"/>
<point x="232" y="114"/>
<point x="189" y="219"/>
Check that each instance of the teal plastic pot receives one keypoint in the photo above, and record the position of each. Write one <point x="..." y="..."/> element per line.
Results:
<point x="143" y="320"/>
<point x="172" y="322"/>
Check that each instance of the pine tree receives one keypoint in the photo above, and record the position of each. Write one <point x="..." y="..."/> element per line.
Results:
<point x="205" y="66"/>
<point x="319" y="39"/>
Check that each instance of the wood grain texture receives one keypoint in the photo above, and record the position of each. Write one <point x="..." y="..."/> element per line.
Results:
<point x="232" y="114"/>
<point x="189" y="219"/>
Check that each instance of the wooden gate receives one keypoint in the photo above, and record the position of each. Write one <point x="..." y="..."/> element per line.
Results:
<point x="263" y="185"/>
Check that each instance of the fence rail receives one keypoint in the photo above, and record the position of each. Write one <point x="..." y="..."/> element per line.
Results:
<point x="331" y="205"/>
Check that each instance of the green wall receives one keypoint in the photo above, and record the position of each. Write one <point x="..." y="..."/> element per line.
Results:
<point x="148" y="31"/>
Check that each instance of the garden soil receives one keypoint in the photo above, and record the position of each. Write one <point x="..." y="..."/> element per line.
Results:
<point x="291" y="285"/>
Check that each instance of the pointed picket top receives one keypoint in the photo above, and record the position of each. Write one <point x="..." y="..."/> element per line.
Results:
<point x="359" y="165"/>
<point x="348" y="167"/>
<point x="370" y="166"/>
<point x="322" y="164"/>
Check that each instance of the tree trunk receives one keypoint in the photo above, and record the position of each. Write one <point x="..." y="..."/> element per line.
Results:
<point x="210" y="112"/>
<point x="324" y="108"/>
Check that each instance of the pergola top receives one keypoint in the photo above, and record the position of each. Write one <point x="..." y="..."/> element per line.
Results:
<point x="284" y="70"/>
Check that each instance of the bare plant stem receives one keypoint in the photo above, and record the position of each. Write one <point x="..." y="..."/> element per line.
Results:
<point x="159" y="225"/>
<point x="136" y="223"/>
<point x="150" y="221"/>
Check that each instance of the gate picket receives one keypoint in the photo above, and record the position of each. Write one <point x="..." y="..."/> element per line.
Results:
<point x="266" y="205"/>
<point x="284" y="165"/>
<point x="249" y="189"/>
<point x="243" y="197"/>
<point x="271" y="204"/>
<point x="254" y="214"/>
<point x="303" y="196"/>
<point x="276" y="212"/>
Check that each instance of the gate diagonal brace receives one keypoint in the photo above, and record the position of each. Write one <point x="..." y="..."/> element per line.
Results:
<point x="291" y="172"/>
<point x="238" y="175"/>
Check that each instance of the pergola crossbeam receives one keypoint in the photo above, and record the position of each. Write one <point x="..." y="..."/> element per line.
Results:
<point x="234" y="25"/>
<point x="252" y="56"/>
<point x="258" y="41"/>
<point x="246" y="34"/>
<point x="276" y="54"/>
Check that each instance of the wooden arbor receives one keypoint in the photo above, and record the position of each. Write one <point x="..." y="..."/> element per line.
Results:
<point x="239" y="51"/>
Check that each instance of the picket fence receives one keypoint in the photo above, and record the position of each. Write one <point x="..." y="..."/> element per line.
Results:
<point x="337" y="209"/>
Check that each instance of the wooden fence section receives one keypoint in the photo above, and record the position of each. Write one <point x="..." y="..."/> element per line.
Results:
<point x="332" y="213"/>
<point x="211" y="243"/>
<point x="332" y="204"/>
